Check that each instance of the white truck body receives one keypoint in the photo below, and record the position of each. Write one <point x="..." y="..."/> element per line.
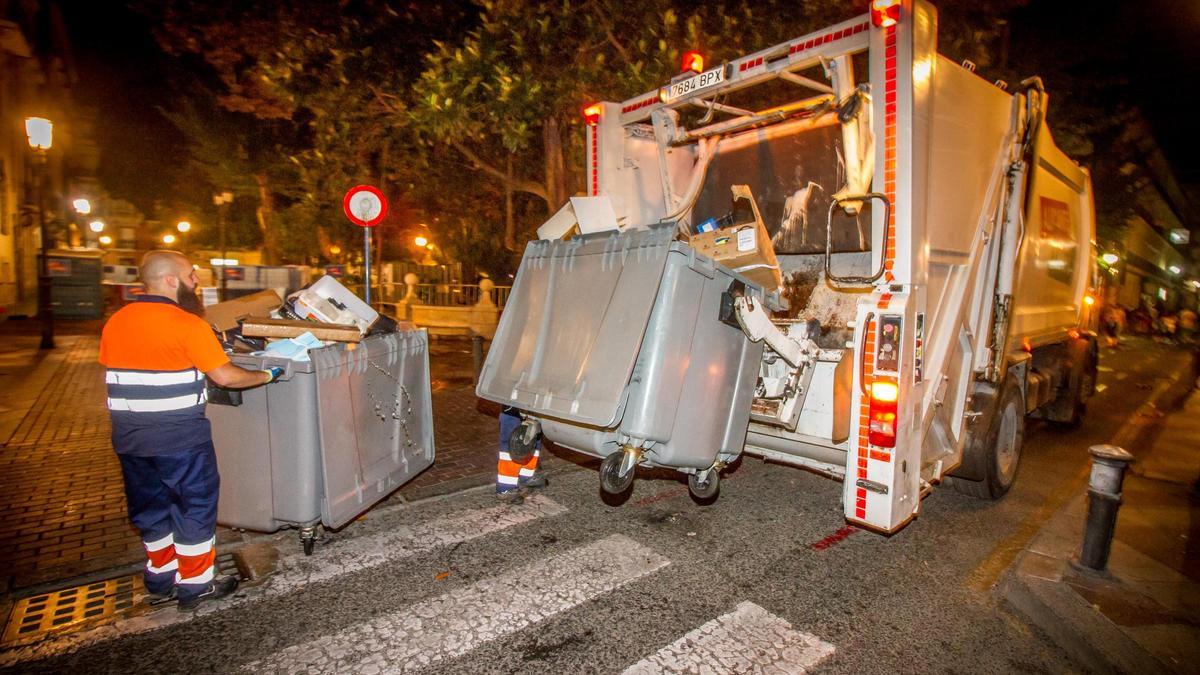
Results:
<point x="978" y="233"/>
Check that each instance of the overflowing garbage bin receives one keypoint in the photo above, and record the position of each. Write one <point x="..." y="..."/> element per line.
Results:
<point x="337" y="433"/>
<point x="624" y="346"/>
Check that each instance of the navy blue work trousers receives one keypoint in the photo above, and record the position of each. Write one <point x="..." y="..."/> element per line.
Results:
<point x="173" y="502"/>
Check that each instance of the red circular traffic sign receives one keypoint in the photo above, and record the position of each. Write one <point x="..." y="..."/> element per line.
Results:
<point x="365" y="205"/>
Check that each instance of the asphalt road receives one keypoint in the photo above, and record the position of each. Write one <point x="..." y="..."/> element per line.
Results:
<point x="568" y="584"/>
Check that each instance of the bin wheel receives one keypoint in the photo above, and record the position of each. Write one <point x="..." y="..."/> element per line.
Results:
<point x="520" y="448"/>
<point x="611" y="480"/>
<point x="704" y="485"/>
<point x="308" y="539"/>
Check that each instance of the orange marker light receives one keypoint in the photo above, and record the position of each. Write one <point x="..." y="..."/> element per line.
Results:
<point x="885" y="391"/>
<point x="693" y="61"/>
<point x="591" y="114"/>
<point x="885" y="13"/>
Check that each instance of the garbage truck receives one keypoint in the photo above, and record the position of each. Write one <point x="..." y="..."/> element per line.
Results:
<point x="846" y="252"/>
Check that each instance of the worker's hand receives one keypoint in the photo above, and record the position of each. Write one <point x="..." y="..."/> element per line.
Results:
<point x="273" y="373"/>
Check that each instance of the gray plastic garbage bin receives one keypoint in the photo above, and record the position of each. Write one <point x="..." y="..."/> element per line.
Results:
<point x="618" y="343"/>
<point x="334" y="436"/>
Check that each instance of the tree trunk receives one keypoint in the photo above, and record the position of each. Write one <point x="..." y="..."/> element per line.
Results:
<point x="266" y="213"/>
<point x="510" y="225"/>
<point x="556" y="186"/>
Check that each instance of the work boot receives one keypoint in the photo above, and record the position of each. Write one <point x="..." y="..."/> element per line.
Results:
<point x="220" y="588"/>
<point x="513" y="497"/>
<point x="156" y="599"/>
<point x="538" y="480"/>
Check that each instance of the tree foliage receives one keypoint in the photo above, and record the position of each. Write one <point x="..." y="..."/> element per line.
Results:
<point x="468" y="114"/>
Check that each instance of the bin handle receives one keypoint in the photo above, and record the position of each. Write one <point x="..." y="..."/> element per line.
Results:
<point x="862" y="353"/>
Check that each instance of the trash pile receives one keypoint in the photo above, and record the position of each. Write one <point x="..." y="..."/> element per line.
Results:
<point x="738" y="239"/>
<point x="263" y="324"/>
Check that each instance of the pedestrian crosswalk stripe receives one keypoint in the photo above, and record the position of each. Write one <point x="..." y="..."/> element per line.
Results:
<point x="457" y="622"/>
<point x="402" y="541"/>
<point x="297" y="571"/>
<point x="748" y="639"/>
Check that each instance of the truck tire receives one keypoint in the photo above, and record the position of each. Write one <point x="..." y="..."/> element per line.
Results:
<point x="1001" y="447"/>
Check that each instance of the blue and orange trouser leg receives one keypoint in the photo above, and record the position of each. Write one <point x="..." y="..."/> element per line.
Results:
<point x="173" y="502"/>
<point x="510" y="474"/>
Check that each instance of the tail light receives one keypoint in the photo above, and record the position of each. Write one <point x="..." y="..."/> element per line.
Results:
<point x="693" y="61"/>
<point x="885" y="395"/>
<point x="885" y="13"/>
<point x="591" y="114"/>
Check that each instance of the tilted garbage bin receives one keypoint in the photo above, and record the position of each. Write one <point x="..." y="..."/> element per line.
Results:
<point x="624" y="346"/>
<point x="332" y="437"/>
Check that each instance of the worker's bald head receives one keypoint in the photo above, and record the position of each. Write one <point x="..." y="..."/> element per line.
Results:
<point x="157" y="266"/>
<point x="172" y="276"/>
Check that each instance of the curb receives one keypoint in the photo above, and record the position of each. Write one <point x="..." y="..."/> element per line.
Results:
<point x="1035" y="584"/>
<point x="1072" y="624"/>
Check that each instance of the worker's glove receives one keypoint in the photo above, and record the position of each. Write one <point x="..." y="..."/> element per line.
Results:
<point x="275" y="373"/>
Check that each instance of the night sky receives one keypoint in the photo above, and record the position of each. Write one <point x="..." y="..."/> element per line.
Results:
<point x="1150" y="43"/>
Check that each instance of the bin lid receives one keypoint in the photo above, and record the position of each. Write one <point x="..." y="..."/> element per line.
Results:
<point x="573" y="324"/>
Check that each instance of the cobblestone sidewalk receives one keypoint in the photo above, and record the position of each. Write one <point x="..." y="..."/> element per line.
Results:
<point x="62" y="507"/>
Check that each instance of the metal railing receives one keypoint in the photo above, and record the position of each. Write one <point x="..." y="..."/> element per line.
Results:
<point x="438" y="295"/>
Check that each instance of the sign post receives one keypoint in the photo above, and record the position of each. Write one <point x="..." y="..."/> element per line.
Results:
<point x="365" y="206"/>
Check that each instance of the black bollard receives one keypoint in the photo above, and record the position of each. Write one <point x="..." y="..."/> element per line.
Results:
<point x="1104" y="499"/>
<point x="477" y="354"/>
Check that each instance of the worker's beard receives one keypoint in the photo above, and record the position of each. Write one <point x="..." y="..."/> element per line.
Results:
<point x="188" y="300"/>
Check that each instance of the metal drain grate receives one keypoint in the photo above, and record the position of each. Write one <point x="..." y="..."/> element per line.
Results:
<point x="69" y="608"/>
<point x="59" y="610"/>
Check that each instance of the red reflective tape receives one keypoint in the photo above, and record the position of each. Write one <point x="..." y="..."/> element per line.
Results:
<point x="860" y="513"/>
<point x="884" y="300"/>
<point x="834" y="539"/>
<point x="881" y="456"/>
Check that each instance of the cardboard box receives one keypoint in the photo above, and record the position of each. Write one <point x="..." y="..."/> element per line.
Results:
<point x="225" y="316"/>
<point x="745" y="248"/>
<point x="283" y="328"/>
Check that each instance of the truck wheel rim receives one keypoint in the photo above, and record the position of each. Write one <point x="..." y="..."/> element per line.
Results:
<point x="1007" y="450"/>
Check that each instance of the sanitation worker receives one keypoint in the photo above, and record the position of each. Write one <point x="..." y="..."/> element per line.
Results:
<point x="158" y="352"/>
<point x="515" y="479"/>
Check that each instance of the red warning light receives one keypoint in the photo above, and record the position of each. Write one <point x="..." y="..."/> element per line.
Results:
<point x="881" y="430"/>
<point x="885" y="13"/>
<point x="693" y="61"/>
<point x="591" y="114"/>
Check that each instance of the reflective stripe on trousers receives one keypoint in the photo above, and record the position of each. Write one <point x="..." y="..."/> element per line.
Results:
<point x="509" y="474"/>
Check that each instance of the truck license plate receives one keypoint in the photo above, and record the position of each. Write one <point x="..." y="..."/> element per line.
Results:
<point x="695" y="83"/>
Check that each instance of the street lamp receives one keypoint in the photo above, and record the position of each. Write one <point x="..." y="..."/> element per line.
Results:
<point x="421" y="241"/>
<point x="96" y="226"/>
<point x="183" y="226"/>
<point x="105" y="239"/>
<point x="1110" y="258"/>
<point x="40" y="132"/>
<point x="222" y="201"/>
<point x="1175" y="269"/>
<point x="168" y="239"/>
<point x="82" y="206"/>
